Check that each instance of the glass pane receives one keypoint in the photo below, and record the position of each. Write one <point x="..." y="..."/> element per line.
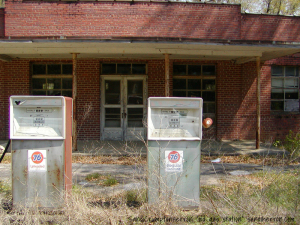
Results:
<point x="179" y="70"/>
<point x="53" y="83"/>
<point x="124" y="69"/>
<point x="54" y="92"/>
<point x="67" y="69"/>
<point x="135" y="117"/>
<point x="277" y="82"/>
<point x="135" y="92"/>
<point x="290" y="71"/>
<point x="277" y="94"/>
<point x="112" y="117"/>
<point x="38" y="69"/>
<point x="209" y="85"/>
<point x="291" y="93"/>
<point x="67" y="83"/>
<point x="39" y="92"/>
<point x="112" y="92"/>
<point x="194" y="84"/>
<point x="291" y="83"/>
<point x="194" y="70"/>
<point x="209" y="70"/>
<point x="209" y="108"/>
<point x="179" y="83"/>
<point x="54" y="69"/>
<point x="108" y="68"/>
<point x="278" y="105"/>
<point x="194" y="93"/>
<point x="179" y="93"/>
<point x="208" y="96"/>
<point x="38" y="83"/>
<point x="277" y="71"/>
<point x="67" y="93"/>
<point x="138" y="68"/>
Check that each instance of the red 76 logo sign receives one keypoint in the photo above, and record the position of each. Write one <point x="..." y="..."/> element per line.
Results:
<point x="174" y="157"/>
<point x="37" y="157"/>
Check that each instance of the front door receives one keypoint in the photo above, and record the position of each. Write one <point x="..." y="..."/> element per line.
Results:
<point x="123" y="108"/>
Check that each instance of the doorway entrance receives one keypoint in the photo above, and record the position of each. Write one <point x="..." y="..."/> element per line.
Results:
<point x="123" y="107"/>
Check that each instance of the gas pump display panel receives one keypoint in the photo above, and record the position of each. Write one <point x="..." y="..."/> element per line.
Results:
<point x="174" y="118"/>
<point x="33" y="117"/>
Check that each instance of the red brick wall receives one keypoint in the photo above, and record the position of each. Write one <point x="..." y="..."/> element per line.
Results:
<point x="14" y="82"/>
<point x="236" y="96"/>
<point x="270" y="27"/>
<point x="122" y="19"/>
<point x="138" y="19"/>
<point x="229" y="82"/>
<point x="88" y="100"/>
<point x="247" y="109"/>
<point x="2" y="22"/>
<point x="156" y="78"/>
<point x="3" y="109"/>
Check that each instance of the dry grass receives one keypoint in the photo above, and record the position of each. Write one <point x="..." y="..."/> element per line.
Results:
<point x="276" y="160"/>
<point x="242" y="198"/>
<point x="122" y="160"/>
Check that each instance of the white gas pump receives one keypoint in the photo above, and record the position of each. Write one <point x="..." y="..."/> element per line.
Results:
<point x="41" y="136"/>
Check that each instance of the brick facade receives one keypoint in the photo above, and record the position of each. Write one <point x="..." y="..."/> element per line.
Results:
<point x="235" y="83"/>
<point x="121" y="19"/>
<point x="236" y="96"/>
<point x="270" y="27"/>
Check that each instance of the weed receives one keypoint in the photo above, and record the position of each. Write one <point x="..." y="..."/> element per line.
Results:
<point x="93" y="177"/>
<point x="5" y="188"/>
<point x="110" y="181"/>
<point x="292" y="144"/>
<point x="6" y="159"/>
<point x="277" y="143"/>
<point x="136" y="197"/>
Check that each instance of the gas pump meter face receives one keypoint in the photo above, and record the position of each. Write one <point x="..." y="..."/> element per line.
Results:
<point x="182" y="120"/>
<point x="37" y="118"/>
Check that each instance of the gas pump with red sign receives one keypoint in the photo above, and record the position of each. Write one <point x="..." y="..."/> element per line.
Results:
<point x="41" y="147"/>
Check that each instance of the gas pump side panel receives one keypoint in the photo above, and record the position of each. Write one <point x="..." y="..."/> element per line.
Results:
<point x="179" y="179"/>
<point x="42" y="187"/>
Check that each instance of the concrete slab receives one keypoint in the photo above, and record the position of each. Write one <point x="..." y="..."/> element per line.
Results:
<point x="134" y="148"/>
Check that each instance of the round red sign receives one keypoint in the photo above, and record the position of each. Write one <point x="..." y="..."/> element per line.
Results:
<point x="174" y="157"/>
<point x="37" y="157"/>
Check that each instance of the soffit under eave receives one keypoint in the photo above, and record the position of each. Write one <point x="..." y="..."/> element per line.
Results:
<point x="203" y="51"/>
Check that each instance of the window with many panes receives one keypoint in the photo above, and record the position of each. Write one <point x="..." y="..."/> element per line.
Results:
<point x="52" y="79"/>
<point x="124" y="69"/>
<point x="196" y="81"/>
<point x="285" y="88"/>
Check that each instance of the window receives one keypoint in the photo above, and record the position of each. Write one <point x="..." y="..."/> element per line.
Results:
<point x="285" y="88"/>
<point x="124" y="69"/>
<point x="196" y="81"/>
<point x="52" y="79"/>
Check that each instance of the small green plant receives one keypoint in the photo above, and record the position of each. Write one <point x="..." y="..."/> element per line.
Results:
<point x="5" y="188"/>
<point x="277" y="143"/>
<point x="110" y="181"/>
<point x="292" y="144"/>
<point x="93" y="176"/>
<point x="136" y="196"/>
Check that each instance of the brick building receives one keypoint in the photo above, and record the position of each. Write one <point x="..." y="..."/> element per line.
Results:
<point x="122" y="52"/>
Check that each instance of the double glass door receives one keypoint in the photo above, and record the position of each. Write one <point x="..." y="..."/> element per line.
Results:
<point x="123" y="107"/>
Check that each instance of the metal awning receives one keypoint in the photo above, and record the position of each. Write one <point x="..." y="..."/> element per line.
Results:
<point x="237" y="51"/>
